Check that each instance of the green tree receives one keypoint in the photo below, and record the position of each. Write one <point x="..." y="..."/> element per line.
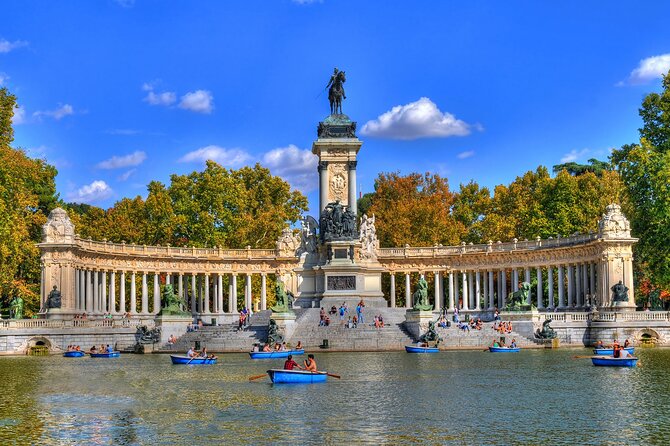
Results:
<point x="27" y="194"/>
<point x="645" y="170"/>
<point x="576" y="169"/>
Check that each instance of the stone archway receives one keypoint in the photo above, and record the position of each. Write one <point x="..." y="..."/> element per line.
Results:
<point x="39" y="345"/>
<point x="649" y="337"/>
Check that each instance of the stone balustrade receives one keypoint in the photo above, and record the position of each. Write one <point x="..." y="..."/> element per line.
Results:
<point x="22" y="324"/>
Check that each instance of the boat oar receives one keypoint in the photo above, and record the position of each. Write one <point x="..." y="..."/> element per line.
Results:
<point x="331" y="374"/>
<point x="251" y="378"/>
<point x="582" y="356"/>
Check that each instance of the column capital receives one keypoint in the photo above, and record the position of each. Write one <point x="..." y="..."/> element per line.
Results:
<point x="322" y="166"/>
<point x="352" y="164"/>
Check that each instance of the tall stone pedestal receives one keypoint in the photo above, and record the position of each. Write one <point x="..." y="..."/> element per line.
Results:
<point x="416" y="322"/>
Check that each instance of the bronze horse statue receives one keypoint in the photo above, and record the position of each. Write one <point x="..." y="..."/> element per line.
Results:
<point x="336" y="92"/>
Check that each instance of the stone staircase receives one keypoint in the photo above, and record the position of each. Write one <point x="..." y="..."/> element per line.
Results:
<point x="364" y="337"/>
<point x="306" y="329"/>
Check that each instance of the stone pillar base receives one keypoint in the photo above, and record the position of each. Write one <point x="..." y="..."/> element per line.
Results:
<point x="416" y="322"/>
<point x="623" y="306"/>
<point x="60" y="313"/>
<point x="285" y="322"/>
<point x="172" y="325"/>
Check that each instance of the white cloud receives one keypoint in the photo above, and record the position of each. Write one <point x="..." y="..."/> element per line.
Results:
<point x="125" y="175"/>
<point x="574" y="155"/>
<point x="116" y="162"/>
<point x="19" y="116"/>
<point x="420" y="119"/>
<point x="199" y="101"/>
<point x="648" y="69"/>
<point x="6" y="46"/>
<point x="96" y="191"/>
<point x="225" y="157"/>
<point x="296" y="166"/>
<point x="306" y="2"/>
<point x="57" y="114"/>
<point x="466" y="154"/>
<point x="165" y="98"/>
<point x="3" y="78"/>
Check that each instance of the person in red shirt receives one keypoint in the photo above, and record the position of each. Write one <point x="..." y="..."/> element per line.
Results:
<point x="290" y="363"/>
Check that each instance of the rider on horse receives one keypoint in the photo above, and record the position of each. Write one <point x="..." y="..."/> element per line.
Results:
<point x="336" y="91"/>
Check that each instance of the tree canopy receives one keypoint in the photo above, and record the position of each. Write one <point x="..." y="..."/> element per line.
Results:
<point x="215" y="207"/>
<point x="645" y="170"/>
<point x="27" y="194"/>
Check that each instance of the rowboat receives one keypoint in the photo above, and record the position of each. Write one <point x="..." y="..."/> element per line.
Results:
<point x="276" y="354"/>
<point x="74" y="354"/>
<point x="105" y="355"/>
<point x="610" y="361"/>
<point x="186" y="360"/>
<point x="417" y="349"/>
<point x="279" y="376"/>
<point x="504" y="349"/>
<point x="610" y="351"/>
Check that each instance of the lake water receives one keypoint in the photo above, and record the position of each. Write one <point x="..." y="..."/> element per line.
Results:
<point x="533" y="397"/>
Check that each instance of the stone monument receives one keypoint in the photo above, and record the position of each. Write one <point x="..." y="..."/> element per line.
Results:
<point x="615" y="271"/>
<point x="345" y="269"/>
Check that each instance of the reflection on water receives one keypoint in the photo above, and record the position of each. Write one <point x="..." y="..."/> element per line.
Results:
<point x="534" y="397"/>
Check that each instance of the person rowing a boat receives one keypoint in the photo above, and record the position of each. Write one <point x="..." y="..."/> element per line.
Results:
<point x="495" y="344"/>
<point x="616" y="351"/>
<point x="289" y="364"/>
<point x="191" y="354"/>
<point x="266" y="348"/>
<point x="310" y="364"/>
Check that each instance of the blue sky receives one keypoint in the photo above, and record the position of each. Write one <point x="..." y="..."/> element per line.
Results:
<point x="119" y="93"/>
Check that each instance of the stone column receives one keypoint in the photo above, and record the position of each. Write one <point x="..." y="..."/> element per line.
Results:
<point x="550" y="285"/>
<point x="571" y="286"/>
<point x="122" y="293"/>
<point x="392" y="291"/>
<point x="264" y="304"/>
<point x="471" y="291"/>
<point x="103" y="294"/>
<point x="451" y="291"/>
<point x="352" y="187"/>
<point x="540" y="291"/>
<point x="157" y="294"/>
<point x="82" y="290"/>
<point x="133" y="295"/>
<point x="561" y="287"/>
<point x="592" y="282"/>
<point x="181" y="286"/>
<point x="194" y="294"/>
<point x="456" y="293"/>
<point x="438" y="299"/>
<point x="492" y="295"/>
<point x="77" y="293"/>
<point x="323" y="185"/>
<point x="247" y="290"/>
<point x="89" y="293"/>
<point x="578" y="285"/>
<point x="207" y="294"/>
<point x="478" y="296"/>
<point x="465" y="291"/>
<point x="408" y="292"/>
<point x="96" y="292"/>
<point x="233" y="294"/>
<point x="112" y="292"/>
<point x="145" y="294"/>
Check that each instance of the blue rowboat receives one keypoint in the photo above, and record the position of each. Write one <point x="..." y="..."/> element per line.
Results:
<point x="279" y="376"/>
<point x="74" y="354"/>
<point x="416" y="349"/>
<point x="504" y="349"/>
<point x="105" y="355"/>
<point x="610" y="351"/>
<point x="186" y="360"/>
<point x="272" y="355"/>
<point x="609" y="361"/>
